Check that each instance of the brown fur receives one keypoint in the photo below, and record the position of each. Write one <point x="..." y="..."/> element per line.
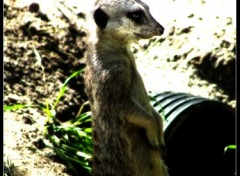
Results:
<point x="127" y="131"/>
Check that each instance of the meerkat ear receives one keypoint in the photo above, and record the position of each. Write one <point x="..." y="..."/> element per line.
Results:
<point x="101" y="18"/>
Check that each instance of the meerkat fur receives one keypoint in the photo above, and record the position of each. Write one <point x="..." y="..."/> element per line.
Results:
<point x="127" y="131"/>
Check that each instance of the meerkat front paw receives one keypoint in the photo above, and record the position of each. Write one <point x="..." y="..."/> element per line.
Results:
<point x="153" y="137"/>
<point x="154" y="144"/>
<point x="159" y="122"/>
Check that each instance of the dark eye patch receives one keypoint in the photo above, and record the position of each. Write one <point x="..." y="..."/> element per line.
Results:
<point x="137" y="16"/>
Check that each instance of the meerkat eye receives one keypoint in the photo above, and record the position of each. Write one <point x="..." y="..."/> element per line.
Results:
<point x="137" y="16"/>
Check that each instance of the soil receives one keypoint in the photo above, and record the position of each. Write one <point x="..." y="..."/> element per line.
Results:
<point x="44" y="43"/>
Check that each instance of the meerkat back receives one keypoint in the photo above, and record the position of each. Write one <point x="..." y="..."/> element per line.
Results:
<point x="127" y="131"/>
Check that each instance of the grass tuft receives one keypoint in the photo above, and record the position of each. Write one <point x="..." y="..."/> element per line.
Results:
<point x="71" y="140"/>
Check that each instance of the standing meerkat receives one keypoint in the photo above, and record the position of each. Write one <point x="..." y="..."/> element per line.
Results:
<point x="127" y="131"/>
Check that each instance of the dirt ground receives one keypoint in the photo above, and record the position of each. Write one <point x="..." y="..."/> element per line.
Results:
<point x="45" y="42"/>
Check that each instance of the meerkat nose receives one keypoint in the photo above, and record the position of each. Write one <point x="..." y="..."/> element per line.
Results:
<point x="160" y="29"/>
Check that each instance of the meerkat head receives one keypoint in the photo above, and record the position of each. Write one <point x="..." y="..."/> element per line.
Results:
<point x="125" y="20"/>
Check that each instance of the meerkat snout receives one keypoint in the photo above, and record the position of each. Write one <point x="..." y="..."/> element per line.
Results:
<point x="160" y="29"/>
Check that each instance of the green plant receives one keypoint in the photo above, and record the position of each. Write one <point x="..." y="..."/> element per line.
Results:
<point x="71" y="140"/>
<point x="230" y="147"/>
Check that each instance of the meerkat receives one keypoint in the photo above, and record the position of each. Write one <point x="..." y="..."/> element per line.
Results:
<point x="127" y="131"/>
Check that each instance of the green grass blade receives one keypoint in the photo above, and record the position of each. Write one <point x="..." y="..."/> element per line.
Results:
<point x="19" y="106"/>
<point x="230" y="147"/>
<point x="82" y="118"/>
<point x="64" y="87"/>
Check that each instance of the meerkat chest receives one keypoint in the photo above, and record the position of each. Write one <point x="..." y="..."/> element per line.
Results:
<point x="138" y="90"/>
